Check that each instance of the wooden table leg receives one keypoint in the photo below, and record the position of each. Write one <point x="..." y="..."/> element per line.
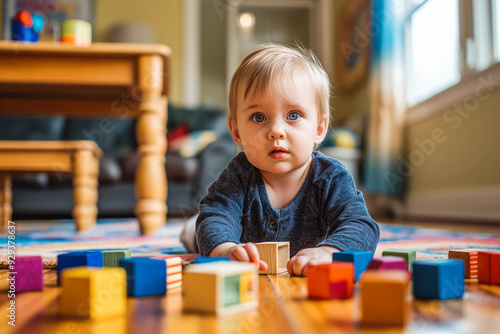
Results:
<point x="85" y="173"/>
<point x="5" y="199"/>
<point x="150" y="178"/>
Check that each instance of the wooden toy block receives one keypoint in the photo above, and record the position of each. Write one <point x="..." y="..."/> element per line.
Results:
<point x="93" y="293"/>
<point x="489" y="267"/>
<point x="110" y="257"/>
<point x="331" y="280"/>
<point x="174" y="271"/>
<point x="409" y="255"/>
<point x="77" y="259"/>
<point x="207" y="259"/>
<point x="222" y="288"/>
<point x="384" y="296"/>
<point x="388" y="262"/>
<point x="145" y="276"/>
<point x="438" y="279"/>
<point x="29" y="273"/>
<point x="276" y="255"/>
<point x="469" y="257"/>
<point x="360" y="259"/>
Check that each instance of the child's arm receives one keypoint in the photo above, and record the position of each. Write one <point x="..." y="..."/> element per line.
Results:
<point x="240" y="252"/>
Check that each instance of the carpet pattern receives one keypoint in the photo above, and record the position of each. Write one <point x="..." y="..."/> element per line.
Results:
<point x="49" y="239"/>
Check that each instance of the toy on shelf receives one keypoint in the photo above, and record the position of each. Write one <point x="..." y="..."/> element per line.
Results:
<point x="77" y="259"/>
<point x="384" y="296"/>
<point x="145" y="276"/>
<point x="76" y="32"/>
<point x="276" y="255"/>
<point x="110" y="258"/>
<point x="489" y="267"/>
<point x="360" y="259"/>
<point x="209" y="259"/>
<point x="409" y="255"/>
<point x="26" y="27"/>
<point x="93" y="293"/>
<point x="438" y="279"/>
<point x="469" y="257"/>
<point x="174" y="270"/>
<point x="220" y="287"/>
<point x="388" y="262"/>
<point x="28" y="273"/>
<point x="331" y="280"/>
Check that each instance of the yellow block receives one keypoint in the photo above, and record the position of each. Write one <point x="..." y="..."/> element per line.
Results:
<point x="95" y="293"/>
<point x="384" y="296"/>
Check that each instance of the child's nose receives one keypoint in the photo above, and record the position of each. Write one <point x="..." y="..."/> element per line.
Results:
<point x="276" y="132"/>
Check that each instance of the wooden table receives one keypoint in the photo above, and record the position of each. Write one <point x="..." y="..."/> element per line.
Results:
<point x="283" y="308"/>
<point x="108" y="80"/>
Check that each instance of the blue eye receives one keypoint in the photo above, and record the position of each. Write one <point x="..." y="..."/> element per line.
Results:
<point x="293" y="116"/>
<point x="258" y="118"/>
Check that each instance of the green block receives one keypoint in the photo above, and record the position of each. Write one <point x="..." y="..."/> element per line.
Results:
<point x="409" y="255"/>
<point x="231" y="290"/>
<point x="110" y="257"/>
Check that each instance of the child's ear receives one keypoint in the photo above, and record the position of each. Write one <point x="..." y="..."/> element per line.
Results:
<point x="321" y="130"/>
<point x="233" y="128"/>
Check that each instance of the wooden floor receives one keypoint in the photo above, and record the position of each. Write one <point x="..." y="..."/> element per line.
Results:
<point x="283" y="308"/>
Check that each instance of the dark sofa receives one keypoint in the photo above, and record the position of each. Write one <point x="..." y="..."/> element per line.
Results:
<point x="49" y="195"/>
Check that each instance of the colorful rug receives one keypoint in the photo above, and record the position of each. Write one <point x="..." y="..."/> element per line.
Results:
<point x="49" y="239"/>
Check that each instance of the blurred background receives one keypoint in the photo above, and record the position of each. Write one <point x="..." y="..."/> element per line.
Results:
<point x="415" y="103"/>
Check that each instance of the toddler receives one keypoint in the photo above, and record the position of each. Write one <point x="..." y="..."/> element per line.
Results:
<point x="278" y="188"/>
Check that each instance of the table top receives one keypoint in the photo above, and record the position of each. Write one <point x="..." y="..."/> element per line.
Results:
<point x="283" y="308"/>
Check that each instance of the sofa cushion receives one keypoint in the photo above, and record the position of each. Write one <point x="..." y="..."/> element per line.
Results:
<point x="31" y="128"/>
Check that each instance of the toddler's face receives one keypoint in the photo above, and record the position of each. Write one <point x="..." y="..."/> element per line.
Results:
<point x="278" y="130"/>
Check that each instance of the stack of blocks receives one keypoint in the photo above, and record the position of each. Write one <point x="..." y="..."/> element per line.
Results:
<point x="489" y="267"/>
<point x="360" y="260"/>
<point x="220" y="287"/>
<point x="409" y="255"/>
<point x="174" y="271"/>
<point x="77" y="259"/>
<point x="331" y="280"/>
<point x="384" y="296"/>
<point x="28" y="273"/>
<point x="275" y="254"/>
<point x="145" y="276"/>
<point x="93" y="293"/>
<point x="438" y="279"/>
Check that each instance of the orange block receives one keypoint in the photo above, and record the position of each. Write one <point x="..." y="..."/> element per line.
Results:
<point x="489" y="267"/>
<point x="469" y="257"/>
<point x="331" y="280"/>
<point x="384" y="296"/>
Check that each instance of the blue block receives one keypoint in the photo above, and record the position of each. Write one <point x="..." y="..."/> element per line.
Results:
<point x="77" y="259"/>
<point x="360" y="259"/>
<point x="438" y="279"/>
<point x="208" y="259"/>
<point x="145" y="276"/>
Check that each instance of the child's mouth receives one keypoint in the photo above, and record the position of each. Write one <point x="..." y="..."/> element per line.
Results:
<point x="278" y="153"/>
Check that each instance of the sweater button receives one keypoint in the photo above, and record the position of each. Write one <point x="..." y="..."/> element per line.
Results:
<point x="273" y="225"/>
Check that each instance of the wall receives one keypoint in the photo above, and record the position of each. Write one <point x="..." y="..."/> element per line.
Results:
<point x="166" y="17"/>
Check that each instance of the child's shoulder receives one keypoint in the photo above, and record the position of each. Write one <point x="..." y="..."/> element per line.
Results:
<point x="240" y="165"/>
<point x="327" y="167"/>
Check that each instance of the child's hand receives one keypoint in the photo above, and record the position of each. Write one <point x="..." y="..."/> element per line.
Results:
<point x="298" y="264"/>
<point x="240" y="252"/>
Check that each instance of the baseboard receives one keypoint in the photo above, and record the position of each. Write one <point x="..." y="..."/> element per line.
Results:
<point x="474" y="204"/>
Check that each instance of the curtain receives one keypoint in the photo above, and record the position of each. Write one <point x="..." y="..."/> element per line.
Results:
<point x="385" y="171"/>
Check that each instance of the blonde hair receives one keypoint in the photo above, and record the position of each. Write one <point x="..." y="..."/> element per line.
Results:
<point x="271" y="63"/>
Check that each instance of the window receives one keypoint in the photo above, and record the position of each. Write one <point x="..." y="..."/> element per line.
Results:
<point x="447" y="41"/>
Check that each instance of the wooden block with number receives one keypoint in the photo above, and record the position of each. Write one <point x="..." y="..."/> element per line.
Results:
<point x="276" y="255"/>
<point x="93" y="293"/>
<point x="222" y="288"/>
<point x="331" y="280"/>
<point x="489" y="267"/>
<point x="469" y="257"/>
<point x="384" y="296"/>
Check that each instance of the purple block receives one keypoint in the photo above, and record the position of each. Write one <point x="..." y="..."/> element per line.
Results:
<point x="389" y="262"/>
<point x="29" y="275"/>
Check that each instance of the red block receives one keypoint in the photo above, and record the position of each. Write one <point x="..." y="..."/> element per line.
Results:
<point x="29" y="273"/>
<point x="331" y="280"/>
<point x="489" y="267"/>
